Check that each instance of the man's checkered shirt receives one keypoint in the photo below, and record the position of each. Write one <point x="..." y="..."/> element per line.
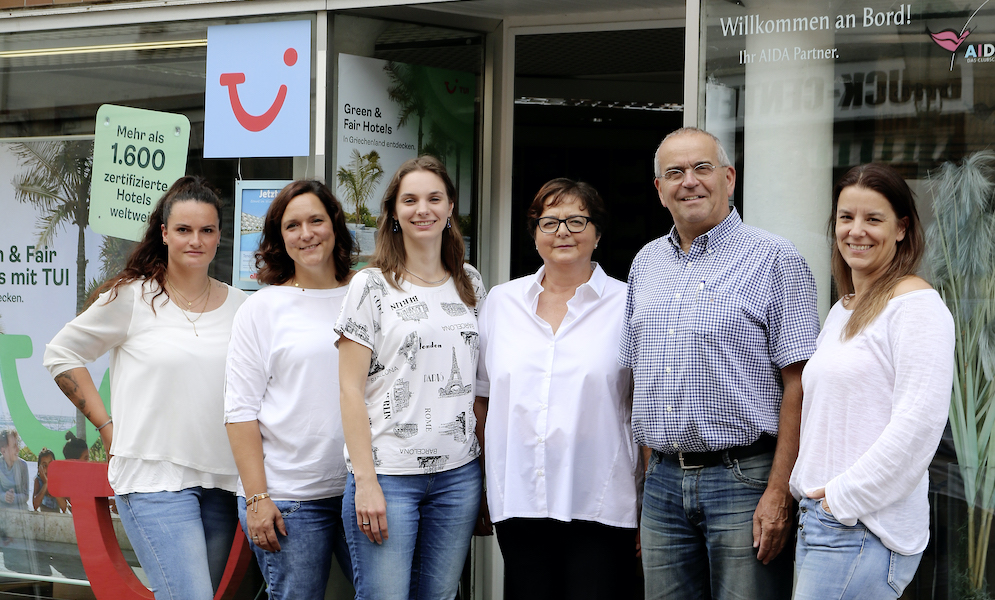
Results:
<point x="706" y="333"/>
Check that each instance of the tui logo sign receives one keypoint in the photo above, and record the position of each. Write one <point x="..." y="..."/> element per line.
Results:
<point x="258" y="96"/>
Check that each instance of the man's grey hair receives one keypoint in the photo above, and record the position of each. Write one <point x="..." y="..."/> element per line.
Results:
<point x="721" y="154"/>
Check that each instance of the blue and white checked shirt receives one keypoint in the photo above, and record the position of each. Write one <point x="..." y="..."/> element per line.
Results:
<point x="706" y="333"/>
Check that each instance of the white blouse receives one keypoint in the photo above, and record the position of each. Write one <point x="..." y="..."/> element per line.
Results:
<point x="874" y="410"/>
<point x="558" y="438"/>
<point x="167" y="386"/>
<point x="283" y="371"/>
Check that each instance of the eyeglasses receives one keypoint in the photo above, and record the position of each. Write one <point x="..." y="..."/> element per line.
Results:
<point x="575" y="224"/>
<point x="701" y="171"/>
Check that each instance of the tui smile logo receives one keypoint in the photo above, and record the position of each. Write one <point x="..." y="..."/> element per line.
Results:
<point x="253" y="122"/>
<point x="258" y="94"/>
<point x="950" y="39"/>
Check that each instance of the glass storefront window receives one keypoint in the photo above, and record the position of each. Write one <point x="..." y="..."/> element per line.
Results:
<point x="422" y="87"/>
<point x="51" y="85"/>
<point x="800" y="92"/>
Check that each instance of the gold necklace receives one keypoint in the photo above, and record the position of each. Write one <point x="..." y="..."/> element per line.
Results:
<point x="425" y="280"/>
<point x="184" y="298"/>
<point x="193" y="322"/>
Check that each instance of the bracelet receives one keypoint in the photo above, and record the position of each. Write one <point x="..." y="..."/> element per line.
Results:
<point x="109" y="421"/>
<point x="251" y="501"/>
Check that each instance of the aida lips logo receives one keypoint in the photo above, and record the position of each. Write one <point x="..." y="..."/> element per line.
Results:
<point x="951" y="40"/>
<point x="258" y="96"/>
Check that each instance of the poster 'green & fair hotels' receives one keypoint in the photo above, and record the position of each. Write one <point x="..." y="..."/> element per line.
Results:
<point x="389" y="112"/>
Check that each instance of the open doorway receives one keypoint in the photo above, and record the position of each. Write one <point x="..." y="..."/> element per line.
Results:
<point x="593" y="106"/>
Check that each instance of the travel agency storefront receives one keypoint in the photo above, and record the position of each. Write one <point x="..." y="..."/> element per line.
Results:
<point x="509" y="93"/>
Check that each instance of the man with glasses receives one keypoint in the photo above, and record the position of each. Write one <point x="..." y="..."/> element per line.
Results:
<point x="720" y="318"/>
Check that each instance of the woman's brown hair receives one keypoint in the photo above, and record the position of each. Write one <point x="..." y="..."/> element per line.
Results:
<point x="908" y="252"/>
<point x="150" y="257"/>
<point x="273" y="263"/>
<point x="390" y="255"/>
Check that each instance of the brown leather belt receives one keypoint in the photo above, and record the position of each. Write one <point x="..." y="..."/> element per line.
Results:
<point x="700" y="460"/>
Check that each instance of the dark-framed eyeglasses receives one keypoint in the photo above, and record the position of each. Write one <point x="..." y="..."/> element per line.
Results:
<point x="575" y="224"/>
<point x="701" y="171"/>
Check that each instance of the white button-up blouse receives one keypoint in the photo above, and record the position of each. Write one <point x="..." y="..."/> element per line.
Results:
<point x="558" y="439"/>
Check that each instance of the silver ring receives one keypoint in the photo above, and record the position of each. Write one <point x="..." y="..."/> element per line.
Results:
<point x="366" y="524"/>
<point x="255" y="537"/>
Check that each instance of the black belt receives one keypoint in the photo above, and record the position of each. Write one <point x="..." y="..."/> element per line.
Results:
<point x="698" y="460"/>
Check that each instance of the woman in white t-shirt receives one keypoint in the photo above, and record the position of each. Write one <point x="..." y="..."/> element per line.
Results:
<point x="407" y="356"/>
<point x="877" y="391"/>
<point x="166" y="324"/>
<point x="281" y="399"/>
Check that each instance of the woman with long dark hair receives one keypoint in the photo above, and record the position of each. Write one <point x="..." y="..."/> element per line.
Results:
<point x="281" y="400"/>
<point x="407" y="358"/>
<point x="166" y="324"/>
<point x="877" y="391"/>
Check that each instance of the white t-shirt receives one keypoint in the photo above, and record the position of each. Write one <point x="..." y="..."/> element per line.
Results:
<point x="283" y="371"/>
<point x="419" y="393"/>
<point x="559" y="435"/>
<point x="874" y="410"/>
<point x="167" y="386"/>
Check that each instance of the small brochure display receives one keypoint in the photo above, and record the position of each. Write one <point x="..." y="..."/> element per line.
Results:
<point x="252" y="200"/>
<point x="137" y="155"/>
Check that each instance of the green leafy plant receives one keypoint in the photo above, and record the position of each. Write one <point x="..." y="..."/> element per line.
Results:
<point x="26" y="454"/>
<point x="961" y="243"/>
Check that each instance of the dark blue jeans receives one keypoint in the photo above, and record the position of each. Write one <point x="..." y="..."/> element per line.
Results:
<point x="314" y="533"/>
<point x="697" y="533"/>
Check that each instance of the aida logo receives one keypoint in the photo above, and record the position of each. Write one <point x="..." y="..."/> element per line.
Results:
<point x="951" y="40"/>
<point x="258" y="96"/>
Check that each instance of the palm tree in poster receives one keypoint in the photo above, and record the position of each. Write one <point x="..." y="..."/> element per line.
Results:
<point x="405" y="90"/>
<point x="56" y="181"/>
<point x="360" y="178"/>
<point x="442" y="146"/>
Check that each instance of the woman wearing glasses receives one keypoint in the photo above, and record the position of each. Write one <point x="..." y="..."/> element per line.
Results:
<point x="561" y="465"/>
<point x="407" y="355"/>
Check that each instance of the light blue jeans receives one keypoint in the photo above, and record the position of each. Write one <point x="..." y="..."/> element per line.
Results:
<point x="837" y="562"/>
<point x="182" y="539"/>
<point x="314" y="532"/>
<point x="430" y="521"/>
<point x="697" y="533"/>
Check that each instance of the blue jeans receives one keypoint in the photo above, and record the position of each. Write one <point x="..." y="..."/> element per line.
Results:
<point x="314" y="532"/>
<point x="697" y="532"/>
<point x="837" y="562"/>
<point x="182" y="539"/>
<point x="430" y="521"/>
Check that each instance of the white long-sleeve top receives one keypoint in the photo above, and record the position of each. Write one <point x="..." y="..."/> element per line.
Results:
<point x="167" y="386"/>
<point x="874" y="409"/>
<point x="558" y="440"/>
<point x="283" y="371"/>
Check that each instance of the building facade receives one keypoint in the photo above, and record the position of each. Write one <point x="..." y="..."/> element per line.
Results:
<point x="799" y="92"/>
